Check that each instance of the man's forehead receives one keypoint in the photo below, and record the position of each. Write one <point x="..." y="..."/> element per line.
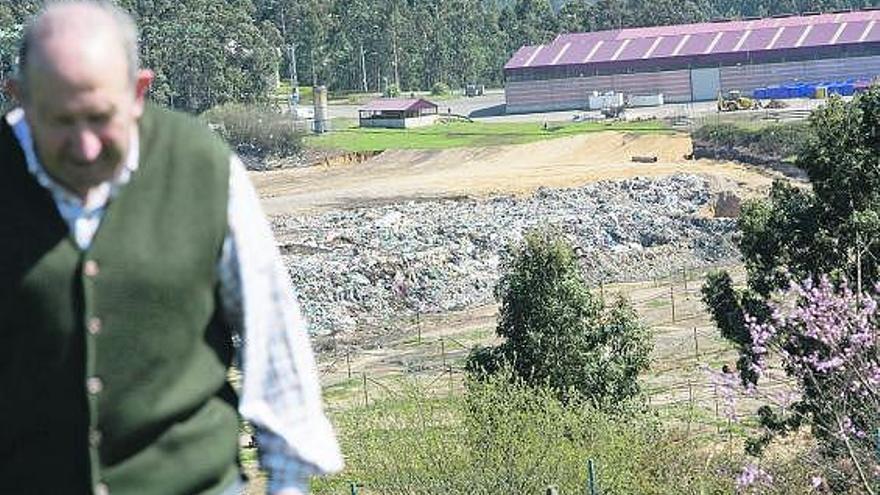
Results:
<point x="79" y="60"/>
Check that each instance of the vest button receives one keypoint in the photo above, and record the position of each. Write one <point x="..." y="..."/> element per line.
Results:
<point x="94" y="438"/>
<point x="91" y="268"/>
<point x="94" y="326"/>
<point x="102" y="489"/>
<point x="94" y="385"/>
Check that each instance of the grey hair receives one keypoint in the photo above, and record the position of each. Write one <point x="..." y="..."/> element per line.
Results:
<point x="122" y="20"/>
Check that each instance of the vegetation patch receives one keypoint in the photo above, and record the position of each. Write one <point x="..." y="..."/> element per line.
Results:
<point x="255" y="130"/>
<point x="759" y="145"/>
<point x="502" y="436"/>
<point x="468" y="134"/>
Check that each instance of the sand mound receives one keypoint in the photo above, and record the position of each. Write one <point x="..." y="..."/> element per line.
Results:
<point x="401" y="175"/>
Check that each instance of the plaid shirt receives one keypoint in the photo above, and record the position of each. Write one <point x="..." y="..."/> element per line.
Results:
<point x="281" y="395"/>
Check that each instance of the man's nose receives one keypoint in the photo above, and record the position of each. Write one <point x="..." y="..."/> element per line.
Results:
<point x="86" y="145"/>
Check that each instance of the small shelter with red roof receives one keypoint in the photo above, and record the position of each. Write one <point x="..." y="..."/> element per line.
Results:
<point x="398" y="113"/>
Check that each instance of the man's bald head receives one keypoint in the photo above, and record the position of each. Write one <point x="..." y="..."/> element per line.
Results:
<point x="92" y="30"/>
<point x="81" y="90"/>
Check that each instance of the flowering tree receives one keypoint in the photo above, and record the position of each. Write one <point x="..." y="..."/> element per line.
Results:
<point x="826" y="337"/>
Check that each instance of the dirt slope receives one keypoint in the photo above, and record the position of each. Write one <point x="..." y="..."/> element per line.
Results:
<point x="567" y="162"/>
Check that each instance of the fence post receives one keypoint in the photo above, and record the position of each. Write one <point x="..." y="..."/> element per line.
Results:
<point x="685" y="270"/>
<point x="419" y="325"/>
<point x="696" y="345"/>
<point x="672" y="300"/>
<point x="716" y="408"/>
<point x="691" y="393"/>
<point x="366" y="397"/>
<point x="591" y="472"/>
<point x="348" y="361"/>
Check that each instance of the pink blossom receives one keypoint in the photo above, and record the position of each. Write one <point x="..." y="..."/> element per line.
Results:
<point x="752" y="477"/>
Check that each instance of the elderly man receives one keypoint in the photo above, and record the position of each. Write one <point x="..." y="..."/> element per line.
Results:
<point x="132" y="250"/>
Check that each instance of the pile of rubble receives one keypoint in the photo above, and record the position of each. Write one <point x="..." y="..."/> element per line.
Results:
<point x="367" y="266"/>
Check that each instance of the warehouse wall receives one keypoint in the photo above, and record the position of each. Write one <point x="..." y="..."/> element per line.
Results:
<point x="748" y="77"/>
<point x="571" y="93"/>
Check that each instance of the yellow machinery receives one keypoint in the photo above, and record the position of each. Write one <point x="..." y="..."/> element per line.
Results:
<point x="734" y="100"/>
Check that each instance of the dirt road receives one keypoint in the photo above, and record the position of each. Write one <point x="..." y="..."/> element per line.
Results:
<point x="401" y="175"/>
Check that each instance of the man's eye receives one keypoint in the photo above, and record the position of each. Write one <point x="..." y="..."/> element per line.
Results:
<point x="64" y="120"/>
<point x="99" y="118"/>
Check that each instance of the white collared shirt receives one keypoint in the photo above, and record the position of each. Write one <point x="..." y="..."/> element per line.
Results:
<point x="281" y="394"/>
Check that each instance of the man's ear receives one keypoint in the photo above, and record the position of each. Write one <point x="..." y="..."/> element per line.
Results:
<point x="141" y="86"/>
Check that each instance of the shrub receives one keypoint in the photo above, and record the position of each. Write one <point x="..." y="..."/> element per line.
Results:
<point x="779" y="141"/>
<point x="255" y="129"/>
<point x="440" y="89"/>
<point x="391" y="91"/>
<point x="557" y="333"/>
<point x="504" y="436"/>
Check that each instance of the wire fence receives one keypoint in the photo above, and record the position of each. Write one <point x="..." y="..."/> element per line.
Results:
<point x="685" y="385"/>
<point x="688" y="352"/>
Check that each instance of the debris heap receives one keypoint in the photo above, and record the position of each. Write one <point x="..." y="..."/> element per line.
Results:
<point x="369" y="266"/>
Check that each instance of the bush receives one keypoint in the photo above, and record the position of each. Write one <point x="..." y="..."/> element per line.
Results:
<point x="779" y="141"/>
<point x="440" y="89"/>
<point x="255" y="130"/>
<point x="558" y="334"/>
<point x="391" y="91"/>
<point x="504" y="436"/>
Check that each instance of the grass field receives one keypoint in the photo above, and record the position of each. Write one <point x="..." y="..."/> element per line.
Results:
<point x="466" y="134"/>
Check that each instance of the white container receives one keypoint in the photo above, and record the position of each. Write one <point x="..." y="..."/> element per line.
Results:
<point x="645" y="100"/>
<point x="611" y="99"/>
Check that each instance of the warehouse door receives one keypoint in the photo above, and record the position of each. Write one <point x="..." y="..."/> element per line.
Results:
<point x="705" y="84"/>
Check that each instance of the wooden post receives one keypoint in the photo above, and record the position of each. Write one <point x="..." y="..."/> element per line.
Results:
<point x="716" y="409"/>
<point x="449" y="375"/>
<point x="672" y="301"/>
<point x="443" y="351"/>
<point x="348" y="361"/>
<point x="591" y="473"/>
<point x="690" y="394"/>
<point x="685" y="270"/>
<point x="366" y="397"/>
<point x="690" y="407"/>
<point x="696" y="345"/>
<point x="419" y="325"/>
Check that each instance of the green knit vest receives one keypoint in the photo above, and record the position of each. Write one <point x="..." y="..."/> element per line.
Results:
<point x="113" y="363"/>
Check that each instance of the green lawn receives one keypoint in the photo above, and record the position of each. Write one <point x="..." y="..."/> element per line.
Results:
<point x="465" y="134"/>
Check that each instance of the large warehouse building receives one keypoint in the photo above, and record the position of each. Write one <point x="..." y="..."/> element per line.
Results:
<point x="694" y="62"/>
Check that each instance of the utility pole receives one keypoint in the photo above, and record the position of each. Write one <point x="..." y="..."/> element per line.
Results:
<point x="364" y="69"/>
<point x="294" y="80"/>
